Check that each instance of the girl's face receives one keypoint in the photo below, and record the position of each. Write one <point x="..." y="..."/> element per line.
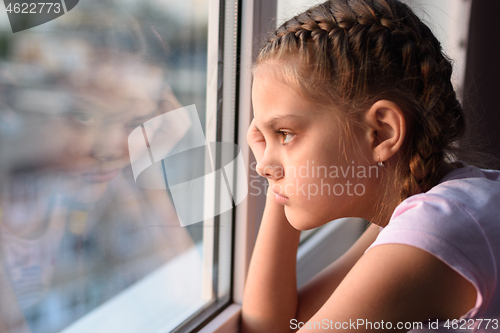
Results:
<point x="109" y="102"/>
<point x="308" y="169"/>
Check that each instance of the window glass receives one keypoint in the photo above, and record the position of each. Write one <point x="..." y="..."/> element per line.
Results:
<point x="98" y="108"/>
<point x="288" y="8"/>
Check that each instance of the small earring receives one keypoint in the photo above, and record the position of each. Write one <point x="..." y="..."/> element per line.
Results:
<point x="380" y="163"/>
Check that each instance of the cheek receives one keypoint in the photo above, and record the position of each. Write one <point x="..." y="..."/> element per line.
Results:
<point x="313" y="214"/>
<point x="316" y="201"/>
<point x="80" y="141"/>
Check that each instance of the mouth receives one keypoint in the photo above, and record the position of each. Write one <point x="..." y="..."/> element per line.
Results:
<point x="281" y="199"/>
<point x="101" y="176"/>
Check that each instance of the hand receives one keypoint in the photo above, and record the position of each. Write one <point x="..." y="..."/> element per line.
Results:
<point x="256" y="141"/>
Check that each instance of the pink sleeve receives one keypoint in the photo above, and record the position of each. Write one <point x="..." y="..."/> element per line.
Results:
<point x="442" y="227"/>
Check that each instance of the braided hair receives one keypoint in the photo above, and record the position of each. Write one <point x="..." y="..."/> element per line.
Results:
<point x="351" y="53"/>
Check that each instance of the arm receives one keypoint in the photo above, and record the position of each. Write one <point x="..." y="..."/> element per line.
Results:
<point x="316" y="292"/>
<point x="397" y="283"/>
<point x="270" y="298"/>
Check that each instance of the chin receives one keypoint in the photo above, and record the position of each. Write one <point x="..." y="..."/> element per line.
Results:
<point x="88" y="193"/>
<point x="303" y="220"/>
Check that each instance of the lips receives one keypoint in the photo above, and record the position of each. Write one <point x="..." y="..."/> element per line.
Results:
<point x="280" y="198"/>
<point x="101" y="176"/>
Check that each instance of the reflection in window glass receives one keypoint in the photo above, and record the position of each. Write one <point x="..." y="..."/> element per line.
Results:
<point x="83" y="247"/>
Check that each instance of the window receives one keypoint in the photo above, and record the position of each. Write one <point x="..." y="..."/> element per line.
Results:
<point x="108" y="113"/>
<point x="116" y="124"/>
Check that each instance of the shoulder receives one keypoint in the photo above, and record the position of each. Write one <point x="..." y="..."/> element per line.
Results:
<point x="467" y="198"/>
<point x="470" y="186"/>
<point x="473" y="189"/>
<point x="457" y="222"/>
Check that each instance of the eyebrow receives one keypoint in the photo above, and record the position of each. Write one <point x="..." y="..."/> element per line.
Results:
<point x="146" y="117"/>
<point x="271" y="123"/>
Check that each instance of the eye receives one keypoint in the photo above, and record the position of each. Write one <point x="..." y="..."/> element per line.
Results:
<point x="83" y="118"/>
<point x="286" y="137"/>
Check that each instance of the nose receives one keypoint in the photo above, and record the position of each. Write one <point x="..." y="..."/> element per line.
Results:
<point x="110" y="144"/>
<point x="270" y="169"/>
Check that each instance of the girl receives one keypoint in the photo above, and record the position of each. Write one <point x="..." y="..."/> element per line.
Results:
<point x="364" y="83"/>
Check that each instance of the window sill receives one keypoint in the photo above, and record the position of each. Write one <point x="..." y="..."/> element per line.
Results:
<point x="226" y="322"/>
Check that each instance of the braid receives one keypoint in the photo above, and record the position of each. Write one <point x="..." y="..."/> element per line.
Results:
<point x="355" y="52"/>
<point x="440" y="121"/>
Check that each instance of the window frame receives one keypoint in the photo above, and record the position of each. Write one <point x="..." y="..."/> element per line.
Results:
<point x="220" y="124"/>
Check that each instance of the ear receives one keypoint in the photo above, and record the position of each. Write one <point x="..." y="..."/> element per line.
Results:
<point x="386" y="129"/>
